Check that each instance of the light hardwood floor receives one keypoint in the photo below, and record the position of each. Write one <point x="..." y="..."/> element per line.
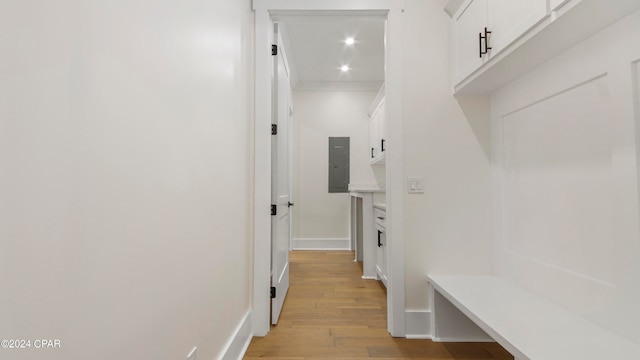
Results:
<point x="330" y="312"/>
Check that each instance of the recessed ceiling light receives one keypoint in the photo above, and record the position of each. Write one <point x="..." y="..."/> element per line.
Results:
<point x="349" y="41"/>
<point x="344" y="68"/>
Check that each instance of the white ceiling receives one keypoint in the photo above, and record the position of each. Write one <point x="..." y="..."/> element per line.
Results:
<point x="316" y="50"/>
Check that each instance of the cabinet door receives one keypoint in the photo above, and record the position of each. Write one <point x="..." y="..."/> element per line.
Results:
<point x="510" y="19"/>
<point x="381" y="119"/>
<point x="468" y="23"/>
<point x="373" y="134"/>
<point x="381" y="257"/>
<point x="555" y="4"/>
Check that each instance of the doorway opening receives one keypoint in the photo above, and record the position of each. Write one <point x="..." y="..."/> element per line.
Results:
<point x="267" y="13"/>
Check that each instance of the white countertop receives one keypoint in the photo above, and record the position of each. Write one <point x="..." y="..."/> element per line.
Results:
<point x="365" y="188"/>
<point x="380" y="206"/>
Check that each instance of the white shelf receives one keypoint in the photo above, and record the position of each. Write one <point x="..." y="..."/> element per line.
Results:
<point x="379" y="160"/>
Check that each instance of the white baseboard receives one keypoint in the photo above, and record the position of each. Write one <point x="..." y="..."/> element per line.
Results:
<point x="321" y="244"/>
<point x="418" y="324"/>
<point x="238" y="344"/>
<point x="462" y="339"/>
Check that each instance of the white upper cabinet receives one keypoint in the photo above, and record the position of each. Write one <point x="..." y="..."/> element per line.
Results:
<point x="468" y="24"/>
<point x="521" y="35"/>
<point x="510" y="19"/>
<point x="373" y="134"/>
<point x="376" y="133"/>
<point x="555" y="4"/>
<point x="381" y="119"/>
<point x="483" y="28"/>
<point x="377" y="114"/>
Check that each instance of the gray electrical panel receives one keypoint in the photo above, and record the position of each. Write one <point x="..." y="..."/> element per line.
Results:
<point x="338" y="164"/>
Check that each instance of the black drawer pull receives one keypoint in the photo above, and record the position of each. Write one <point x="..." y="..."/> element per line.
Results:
<point x="379" y="241"/>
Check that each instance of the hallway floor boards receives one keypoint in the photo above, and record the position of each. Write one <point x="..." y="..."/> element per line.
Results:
<point x="330" y="312"/>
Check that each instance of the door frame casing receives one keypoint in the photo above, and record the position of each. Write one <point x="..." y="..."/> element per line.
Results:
<point x="262" y="150"/>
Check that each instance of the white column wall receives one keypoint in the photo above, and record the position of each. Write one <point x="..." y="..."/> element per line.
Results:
<point x="447" y="141"/>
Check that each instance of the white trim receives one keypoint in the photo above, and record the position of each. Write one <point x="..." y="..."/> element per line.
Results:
<point x="376" y="101"/>
<point x="395" y="174"/>
<point x="262" y="175"/>
<point x="285" y="45"/>
<point x="462" y="339"/>
<point x="262" y="150"/>
<point x="322" y="244"/>
<point x="418" y="324"/>
<point x="237" y="346"/>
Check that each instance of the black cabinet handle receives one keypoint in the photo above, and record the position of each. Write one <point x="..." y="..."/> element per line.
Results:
<point x="290" y="204"/>
<point x="382" y="144"/>
<point x="486" y="41"/>
<point x="372" y="153"/>
<point x="379" y="242"/>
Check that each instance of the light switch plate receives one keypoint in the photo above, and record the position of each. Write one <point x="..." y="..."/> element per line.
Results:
<point x="415" y="185"/>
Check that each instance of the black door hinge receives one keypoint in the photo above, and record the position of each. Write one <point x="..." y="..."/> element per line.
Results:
<point x="274" y="50"/>
<point x="274" y="210"/>
<point x="273" y="292"/>
<point x="274" y="129"/>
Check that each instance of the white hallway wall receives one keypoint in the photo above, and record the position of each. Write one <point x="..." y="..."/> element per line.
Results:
<point x="124" y="181"/>
<point x="319" y="215"/>
<point x="565" y="151"/>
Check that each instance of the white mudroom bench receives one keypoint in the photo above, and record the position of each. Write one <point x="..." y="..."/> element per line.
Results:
<point x="529" y="327"/>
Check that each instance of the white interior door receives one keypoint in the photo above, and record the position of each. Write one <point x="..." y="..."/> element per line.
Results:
<point x="280" y="173"/>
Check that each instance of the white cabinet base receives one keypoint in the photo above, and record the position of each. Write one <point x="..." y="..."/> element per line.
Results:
<point x="363" y="232"/>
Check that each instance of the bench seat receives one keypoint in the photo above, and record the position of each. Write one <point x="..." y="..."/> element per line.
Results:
<point x="528" y="326"/>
